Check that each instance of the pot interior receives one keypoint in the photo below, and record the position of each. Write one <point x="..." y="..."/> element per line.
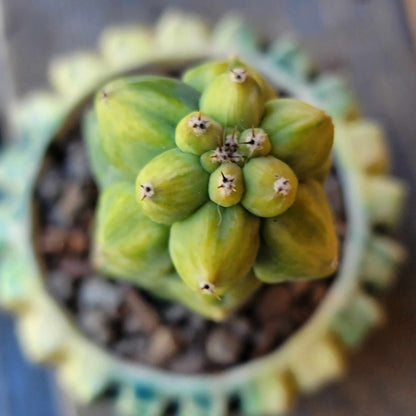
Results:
<point x="127" y="321"/>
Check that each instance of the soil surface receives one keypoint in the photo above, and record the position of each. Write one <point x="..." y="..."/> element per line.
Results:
<point x="128" y="321"/>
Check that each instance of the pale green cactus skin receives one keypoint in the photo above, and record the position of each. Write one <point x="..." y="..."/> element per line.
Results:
<point x="138" y="243"/>
<point x="143" y="111"/>
<point x="219" y="164"/>
<point x="301" y="243"/>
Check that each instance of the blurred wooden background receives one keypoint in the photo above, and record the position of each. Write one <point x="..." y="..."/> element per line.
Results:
<point x="371" y="41"/>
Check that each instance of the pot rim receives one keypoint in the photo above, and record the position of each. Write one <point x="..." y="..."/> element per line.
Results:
<point x="343" y="287"/>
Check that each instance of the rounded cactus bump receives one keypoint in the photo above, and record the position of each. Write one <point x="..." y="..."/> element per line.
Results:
<point x="301" y="243"/>
<point x="271" y="186"/>
<point x="197" y="133"/>
<point x="226" y="186"/>
<point x="229" y="175"/>
<point x="220" y="244"/>
<point x="300" y="134"/>
<point x="171" y="186"/>
<point x="254" y="142"/>
<point x="234" y="99"/>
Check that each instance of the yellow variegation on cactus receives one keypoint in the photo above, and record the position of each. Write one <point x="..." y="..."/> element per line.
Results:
<point x="228" y="181"/>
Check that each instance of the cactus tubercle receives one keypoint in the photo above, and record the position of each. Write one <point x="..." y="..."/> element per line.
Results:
<point x="254" y="142"/>
<point x="197" y="133"/>
<point x="226" y="185"/>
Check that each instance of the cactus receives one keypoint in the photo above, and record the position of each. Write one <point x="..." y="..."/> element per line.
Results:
<point x="208" y="182"/>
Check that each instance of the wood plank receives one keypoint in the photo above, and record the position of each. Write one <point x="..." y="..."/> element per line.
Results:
<point x="410" y="6"/>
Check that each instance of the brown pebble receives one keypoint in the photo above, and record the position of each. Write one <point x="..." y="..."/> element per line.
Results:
<point x="75" y="266"/>
<point x="61" y="285"/>
<point x="94" y="323"/>
<point x="101" y="294"/>
<point x="163" y="346"/>
<point x="147" y="318"/>
<point x="52" y="241"/>
<point x="223" y="347"/>
<point x="192" y="361"/>
<point x="133" y="347"/>
<point x="241" y="326"/>
<point x="77" y="242"/>
<point x="70" y="203"/>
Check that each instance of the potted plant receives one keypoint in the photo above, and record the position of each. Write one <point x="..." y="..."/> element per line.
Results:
<point x="196" y="192"/>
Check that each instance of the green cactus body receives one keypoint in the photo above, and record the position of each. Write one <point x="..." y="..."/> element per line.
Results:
<point x="234" y="99"/>
<point x="270" y="186"/>
<point x="301" y="243"/>
<point x="221" y="246"/>
<point x="203" y="75"/>
<point x="136" y="245"/>
<point x="197" y="133"/>
<point x="209" y="161"/>
<point x="171" y="186"/>
<point x="103" y="171"/>
<point x="300" y="134"/>
<point x="227" y="187"/>
<point x="321" y="173"/>
<point x="254" y="142"/>
<point x="137" y="117"/>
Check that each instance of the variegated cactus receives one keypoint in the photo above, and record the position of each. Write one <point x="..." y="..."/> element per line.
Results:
<point x="213" y="181"/>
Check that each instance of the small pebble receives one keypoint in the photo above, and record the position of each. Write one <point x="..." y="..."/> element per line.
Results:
<point x="133" y="347"/>
<point x="145" y="316"/>
<point x="74" y="266"/>
<point x="132" y="324"/>
<point x="241" y="326"/>
<point x="69" y="204"/>
<point x="94" y="323"/>
<point x="196" y="327"/>
<point x="77" y="241"/>
<point x="52" y="241"/>
<point x="97" y="293"/>
<point x="61" y="285"/>
<point x="223" y="347"/>
<point x="163" y="345"/>
<point x="192" y="361"/>
<point x="175" y="314"/>
<point x="50" y="186"/>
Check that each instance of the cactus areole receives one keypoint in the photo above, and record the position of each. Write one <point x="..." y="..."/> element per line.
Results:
<point x="226" y="192"/>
